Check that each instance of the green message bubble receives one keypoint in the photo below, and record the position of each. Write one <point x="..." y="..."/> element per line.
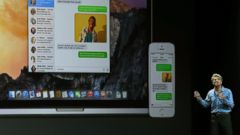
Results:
<point x="92" y="9"/>
<point x="164" y="67"/>
<point x="92" y="54"/>
<point x="163" y="96"/>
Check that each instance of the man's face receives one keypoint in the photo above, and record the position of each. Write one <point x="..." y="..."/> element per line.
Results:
<point x="33" y="31"/>
<point x="33" y="11"/>
<point x="216" y="81"/>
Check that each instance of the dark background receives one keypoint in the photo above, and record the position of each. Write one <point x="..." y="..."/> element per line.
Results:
<point x="216" y="50"/>
<point x="206" y="36"/>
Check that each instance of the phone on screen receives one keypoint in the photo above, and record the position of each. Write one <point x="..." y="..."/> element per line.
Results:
<point x="161" y="80"/>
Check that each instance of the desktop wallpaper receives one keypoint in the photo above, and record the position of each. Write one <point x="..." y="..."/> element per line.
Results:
<point x="13" y="37"/>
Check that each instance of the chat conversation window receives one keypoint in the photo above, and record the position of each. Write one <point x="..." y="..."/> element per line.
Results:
<point x="162" y="79"/>
<point x="69" y="36"/>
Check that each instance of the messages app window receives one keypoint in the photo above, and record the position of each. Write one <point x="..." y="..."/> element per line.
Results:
<point x="162" y="79"/>
<point x="69" y="36"/>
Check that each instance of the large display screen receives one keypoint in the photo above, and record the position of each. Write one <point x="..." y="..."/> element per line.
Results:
<point x="74" y="50"/>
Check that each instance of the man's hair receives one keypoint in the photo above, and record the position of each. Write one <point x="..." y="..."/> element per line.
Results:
<point x="216" y="75"/>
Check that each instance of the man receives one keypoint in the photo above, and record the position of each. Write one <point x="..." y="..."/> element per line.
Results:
<point x="33" y="30"/>
<point x="88" y="34"/>
<point x="33" y="49"/>
<point x="221" y="101"/>
<point x="33" y="11"/>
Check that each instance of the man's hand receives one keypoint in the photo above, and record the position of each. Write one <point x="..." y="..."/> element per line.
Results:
<point x="197" y="95"/>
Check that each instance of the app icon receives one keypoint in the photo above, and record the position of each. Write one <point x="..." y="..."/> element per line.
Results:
<point x="96" y="94"/>
<point x="64" y="94"/>
<point x="77" y="94"/>
<point x="109" y="94"/>
<point x="103" y="93"/>
<point x="32" y="94"/>
<point x="45" y="94"/>
<point x="70" y="94"/>
<point x="90" y="93"/>
<point x="58" y="94"/>
<point x="38" y="94"/>
<point x="51" y="94"/>
<point x="11" y="94"/>
<point x="83" y="94"/>
<point x="18" y="94"/>
<point x="25" y="94"/>
<point x="124" y="94"/>
<point x="118" y="94"/>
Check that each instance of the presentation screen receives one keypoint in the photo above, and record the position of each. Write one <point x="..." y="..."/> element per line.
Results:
<point x="87" y="51"/>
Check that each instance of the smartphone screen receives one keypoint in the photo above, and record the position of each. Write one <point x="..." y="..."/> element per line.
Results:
<point x="161" y="77"/>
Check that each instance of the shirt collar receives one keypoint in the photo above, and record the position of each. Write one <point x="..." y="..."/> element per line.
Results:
<point x="220" y="89"/>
